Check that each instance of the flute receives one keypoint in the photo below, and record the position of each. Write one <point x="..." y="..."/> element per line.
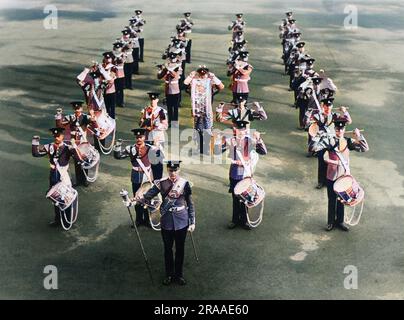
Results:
<point x="235" y="103"/>
<point x="352" y="131"/>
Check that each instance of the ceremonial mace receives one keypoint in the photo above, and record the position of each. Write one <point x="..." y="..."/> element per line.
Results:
<point x="124" y="194"/>
<point x="193" y="246"/>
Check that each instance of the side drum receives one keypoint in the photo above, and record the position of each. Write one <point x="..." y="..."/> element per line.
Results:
<point x="249" y="192"/>
<point x="62" y="195"/>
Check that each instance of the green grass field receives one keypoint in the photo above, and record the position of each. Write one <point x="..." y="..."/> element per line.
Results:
<point x="289" y="256"/>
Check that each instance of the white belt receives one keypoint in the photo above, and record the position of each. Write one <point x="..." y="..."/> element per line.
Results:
<point x="172" y="81"/>
<point x="237" y="162"/>
<point x="119" y="67"/>
<point x="173" y="209"/>
<point x="242" y="80"/>
<point x="138" y="169"/>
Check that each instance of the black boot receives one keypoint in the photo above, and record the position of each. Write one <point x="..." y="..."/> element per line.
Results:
<point x="342" y="226"/>
<point x="181" y="281"/>
<point x="167" y="280"/>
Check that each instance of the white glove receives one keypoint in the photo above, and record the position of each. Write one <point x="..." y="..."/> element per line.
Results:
<point x="35" y="140"/>
<point x="191" y="228"/>
<point x="219" y="108"/>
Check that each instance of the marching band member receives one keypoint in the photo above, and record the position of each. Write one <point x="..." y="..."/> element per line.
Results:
<point x="324" y="119"/>
<point x="298" y="79"/>
<point x="119" y="61"/>
<point x="141" y="165"/>
<point x="134" y="37"/>
<point x="177" y="47"/>
<point x="186" y="25"/>
<point x="59" y="155"/>
<point x="295" y="58"/>
<point x="170" y="73"/>
<point x="203" y="85"/>
<point x="78" y="123"/>
<point x="241" y="112"/>
<point x="237" y="25"/>
<point x="187" y="22"/>
<point x="337" y="158"/>
<point x="234" y="54"/>
<point x="110" y="92"/>
<point x="92" y="81"/>
<point x="182" y="52"/>
<point x="139" y="23"/>
<point x="241" y="147"/>
<point x="129" y="61"/>
<point x="154" y="121"/>
<point x="177" y="217"/>
<point x="238" y="36"/>
<point x="240" y="77"/>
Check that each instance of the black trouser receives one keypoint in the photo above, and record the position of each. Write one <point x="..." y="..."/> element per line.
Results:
<point x="302" y="105"/>
<point x="237" y="95"/>
<point x="128" y="69"/>
<point x="335" y="207"/>
<point x="54" y="178"/>
<point x="80" y="177"/>
<point x="188" y="51"/>
<point x="322" y="168"/>
<point x="142" y="215"/>
<point x="291" y="77"/>
<point x="239" y="208"/>
<point x="119" y="86"/>
<point x="110" y="100"/>
<point x="157" y="170"/>
<point x="203" y="141"/>
<point x="174" y="268"/>
<point x="182" y="77"/>
<point x="135" y="55"/>
<point x="173" y="102"/>
<point x="141" y="49"/>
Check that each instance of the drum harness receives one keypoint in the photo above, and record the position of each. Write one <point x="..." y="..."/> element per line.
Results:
<point x="73" y="212"/>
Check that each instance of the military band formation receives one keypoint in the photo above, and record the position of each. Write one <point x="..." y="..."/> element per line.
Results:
<point x="164" y="203"/>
